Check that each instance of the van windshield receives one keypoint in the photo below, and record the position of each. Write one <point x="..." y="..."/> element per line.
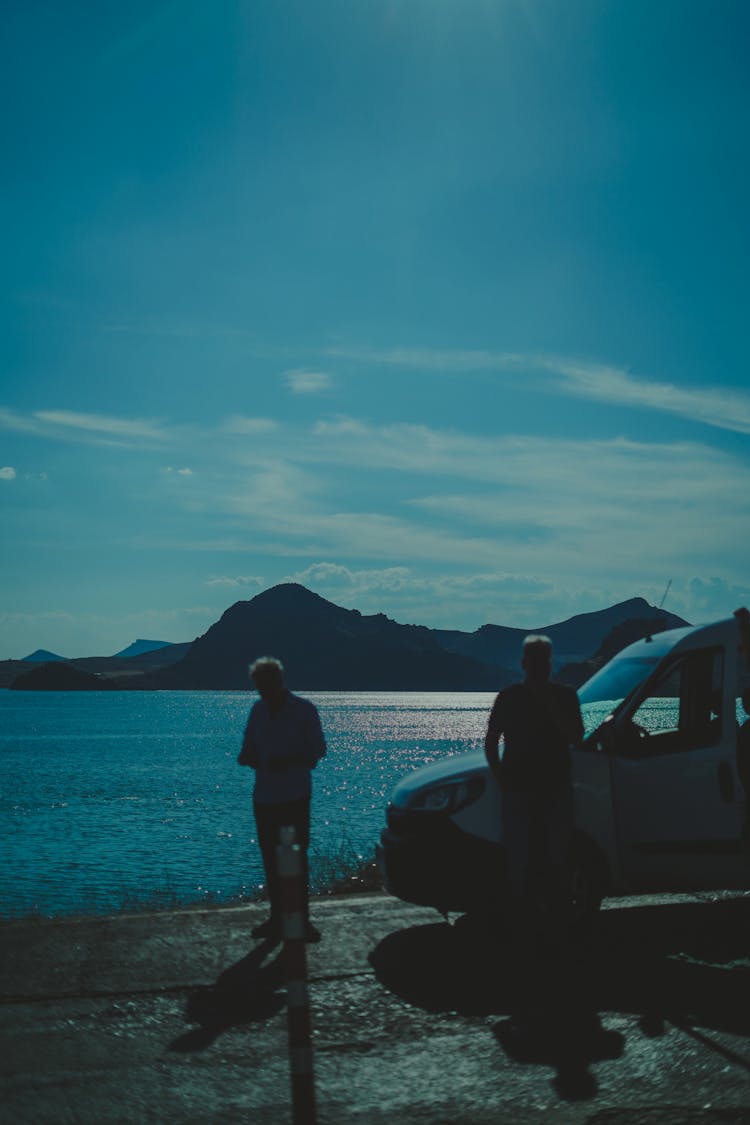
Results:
<point x="601" y="694"/>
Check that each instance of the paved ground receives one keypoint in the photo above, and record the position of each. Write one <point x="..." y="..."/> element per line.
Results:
<point x="180" y="1017"/>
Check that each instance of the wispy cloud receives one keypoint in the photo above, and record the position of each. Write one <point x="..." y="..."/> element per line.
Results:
<point x="237" y="580"/>
<point x="102" y="424"/>
<point x="528" y="601"/>
<point x="575" y="509"/>
<point x="333" y="574"/>
<point x="303" y="382"/>
<point x="69" y="425"/>
<point x="290" y="514"/>
<point x="404" y="579"/>
<point x="403" y="446"/>
<point x="185" y="472"/>
<point x="433" y="359"/>
<point x="7" y="617"/>
<point x="704" y="595"/>
<point x="449" y="600"/>
<point x="241" y="424"/>
<point x="20" y="423"/>
<point x="8" y="473"/>
<point x="717" y="406"/>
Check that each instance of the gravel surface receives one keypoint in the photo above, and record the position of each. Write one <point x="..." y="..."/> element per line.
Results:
<point x="181" y="1017"/>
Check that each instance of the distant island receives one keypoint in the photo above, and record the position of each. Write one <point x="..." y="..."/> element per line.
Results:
<point x="325" y="647"/>
<point x="42" y="656"/>
<point x="61" y="676"/>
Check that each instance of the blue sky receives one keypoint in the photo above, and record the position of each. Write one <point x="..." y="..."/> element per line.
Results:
<point x="437" y="307"/>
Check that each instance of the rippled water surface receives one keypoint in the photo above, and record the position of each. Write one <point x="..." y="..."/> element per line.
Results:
<point x="121" y="798"/>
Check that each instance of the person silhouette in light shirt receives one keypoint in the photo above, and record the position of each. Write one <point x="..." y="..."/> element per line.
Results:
<point x="283" y="742"/>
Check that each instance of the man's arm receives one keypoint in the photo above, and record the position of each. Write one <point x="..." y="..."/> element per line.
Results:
<point x="248" y="755"/>
<point x="575" y="729"/>
<point x="317" y="742"/>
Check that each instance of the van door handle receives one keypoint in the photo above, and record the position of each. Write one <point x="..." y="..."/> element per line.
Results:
<point x="726" y="781"/>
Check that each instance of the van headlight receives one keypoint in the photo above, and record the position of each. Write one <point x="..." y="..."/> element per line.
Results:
<point x="449" y="796"/>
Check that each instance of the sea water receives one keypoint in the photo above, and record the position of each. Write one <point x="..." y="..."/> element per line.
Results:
<point x="111" y="800"/>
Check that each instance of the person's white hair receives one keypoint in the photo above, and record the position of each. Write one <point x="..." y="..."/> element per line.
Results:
<point x="266" y="665"/>
<point x="538" y="643"/>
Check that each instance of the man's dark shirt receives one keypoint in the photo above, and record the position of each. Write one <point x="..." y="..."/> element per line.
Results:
<point x="282" y="747"/>
<point x="539" y="724"/>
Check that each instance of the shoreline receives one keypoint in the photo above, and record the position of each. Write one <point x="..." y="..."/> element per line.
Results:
<point x="364" y="879"/>
<point x="185" y="908"/>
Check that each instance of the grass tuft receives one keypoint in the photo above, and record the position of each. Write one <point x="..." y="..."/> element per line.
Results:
<point x="345" y="871"/>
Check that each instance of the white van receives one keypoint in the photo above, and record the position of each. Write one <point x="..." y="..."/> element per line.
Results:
<point x="659" y="803"/>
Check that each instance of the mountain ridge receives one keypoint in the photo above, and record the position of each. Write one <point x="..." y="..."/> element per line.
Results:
<point x="139" y="647"/>
<point x="43" y="656"/>
<point x="324" y="646"/>
<point x="574" y="639"/>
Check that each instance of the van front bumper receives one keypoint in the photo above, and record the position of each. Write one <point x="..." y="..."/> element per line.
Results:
<point x="425" y="858"/>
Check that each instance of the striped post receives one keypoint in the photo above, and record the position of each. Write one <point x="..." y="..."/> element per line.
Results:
<point x="293" y="920"/>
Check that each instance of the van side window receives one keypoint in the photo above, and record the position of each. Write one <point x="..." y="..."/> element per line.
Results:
<point x="683" y="708"/>
<point x="659" y="713"/>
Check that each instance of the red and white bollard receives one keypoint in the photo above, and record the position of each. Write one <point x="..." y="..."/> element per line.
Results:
<point x="292" y="893"/>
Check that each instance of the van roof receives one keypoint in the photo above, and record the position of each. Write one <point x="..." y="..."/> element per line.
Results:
<point x="693" y="636"/>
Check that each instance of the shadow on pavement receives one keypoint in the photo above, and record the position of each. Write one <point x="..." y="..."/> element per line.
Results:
<point x="247" y="991"/>
<point x="677" y="964"/>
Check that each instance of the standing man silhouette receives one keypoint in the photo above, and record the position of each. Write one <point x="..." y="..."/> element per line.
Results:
<point x="540" y="721"/>
<point x="283" y="742"/>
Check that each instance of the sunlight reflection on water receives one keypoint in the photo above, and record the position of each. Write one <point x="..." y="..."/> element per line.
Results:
<point x="123" y="797"/>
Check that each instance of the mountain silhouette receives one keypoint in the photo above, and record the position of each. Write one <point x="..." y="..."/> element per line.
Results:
<point x="42" y="656"/>
<point x="324" y="646"/>
<point x="626" y="633"/>
<point x="139" y="647"/>
<point x="575" y="639"/>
